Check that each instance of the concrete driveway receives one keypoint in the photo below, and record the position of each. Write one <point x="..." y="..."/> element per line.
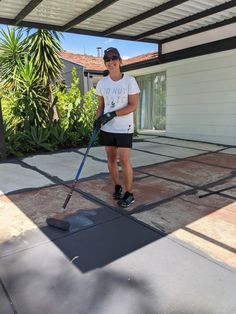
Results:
<point x="172" y="252"/>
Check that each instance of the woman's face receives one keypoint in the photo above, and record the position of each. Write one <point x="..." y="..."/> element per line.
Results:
<point x="112" y="62"/>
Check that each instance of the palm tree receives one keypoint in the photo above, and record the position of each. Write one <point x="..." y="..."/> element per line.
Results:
<point x="18" y="53"/>
<point x="32" y="104"/>
<point x="12" y="52"/>
<point x="44" y="46"/>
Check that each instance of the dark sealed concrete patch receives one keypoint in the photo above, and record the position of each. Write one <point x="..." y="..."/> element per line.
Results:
<point x="51" y="278"/>
<point x="105" y="243"/>
<point x="5" y="305"/>
<point x="80" y="219"/>
<point x="120" y="267"/>
<point x="22" y="214"/>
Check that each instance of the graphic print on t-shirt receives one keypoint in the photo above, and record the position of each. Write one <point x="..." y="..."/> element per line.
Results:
<point x="115" y="97"/>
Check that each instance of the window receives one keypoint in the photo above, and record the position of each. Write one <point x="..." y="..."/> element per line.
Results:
<point x="151" y="112"/>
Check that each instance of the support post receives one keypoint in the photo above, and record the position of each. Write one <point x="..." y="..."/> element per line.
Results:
<point x="3" y="153"/>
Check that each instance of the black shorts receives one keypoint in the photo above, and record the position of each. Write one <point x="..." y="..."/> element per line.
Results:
<point x="116" y="139"/>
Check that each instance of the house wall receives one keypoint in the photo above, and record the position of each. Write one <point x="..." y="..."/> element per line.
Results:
<point x="91" y="81"/>
<point x="66" y="74"/>
<point x="85" y="82"/>
<point x="201" y="97"/>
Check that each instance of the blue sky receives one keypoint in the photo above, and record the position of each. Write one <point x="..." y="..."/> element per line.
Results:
<point x="87" y="45"/>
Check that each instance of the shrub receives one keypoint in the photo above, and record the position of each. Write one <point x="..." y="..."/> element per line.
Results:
<point x="28" y="130"/>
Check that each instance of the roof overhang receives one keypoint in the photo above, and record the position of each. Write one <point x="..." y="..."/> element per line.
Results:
<point x="176" y="25"/>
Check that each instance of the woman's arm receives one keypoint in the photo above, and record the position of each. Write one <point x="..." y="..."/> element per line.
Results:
<point x="100" y="106"/>
<point x="131" y="107"/>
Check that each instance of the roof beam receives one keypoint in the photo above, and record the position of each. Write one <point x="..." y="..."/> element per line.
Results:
<point x="99" y="7"/>
<point x="200" y="50"/>
<point x="75" y="30"/>
<point x="116" y="36"/>
<point x="27" y="9"/>
<point x="163" y="7"/>
<point x="188" y="19"/>
<point x="200" y="30"/>
<point x="6" y="21"/>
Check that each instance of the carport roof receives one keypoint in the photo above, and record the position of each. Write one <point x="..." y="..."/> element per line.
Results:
<point x="155" y="21"/>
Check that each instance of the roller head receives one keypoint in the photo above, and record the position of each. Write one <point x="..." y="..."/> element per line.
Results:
<point x="58" y="223"/>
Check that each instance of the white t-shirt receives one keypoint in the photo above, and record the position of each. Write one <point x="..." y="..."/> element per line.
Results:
<point x="115" y="95"/>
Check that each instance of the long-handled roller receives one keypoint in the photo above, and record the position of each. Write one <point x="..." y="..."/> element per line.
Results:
<point x="55" y="221"/>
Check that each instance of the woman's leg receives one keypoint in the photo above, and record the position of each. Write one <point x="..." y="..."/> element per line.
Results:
<point x="111" y="152"/>
<point x="127" y="170"/>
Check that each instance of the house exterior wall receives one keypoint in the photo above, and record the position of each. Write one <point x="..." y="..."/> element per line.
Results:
<point x="201" y="97"/>
<point x="67" y="77"/>
<point x="86" y="80"/>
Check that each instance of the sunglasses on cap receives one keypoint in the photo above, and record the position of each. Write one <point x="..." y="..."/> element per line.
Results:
<point x="112" y="58"/>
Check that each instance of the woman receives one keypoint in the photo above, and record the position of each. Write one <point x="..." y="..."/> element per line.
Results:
<point x="117" y="100"/>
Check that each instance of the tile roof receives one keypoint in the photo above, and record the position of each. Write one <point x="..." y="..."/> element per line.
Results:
<point x="144" y="57"/>
<point x="89" y="62"/>
<point x="92" y="63"/>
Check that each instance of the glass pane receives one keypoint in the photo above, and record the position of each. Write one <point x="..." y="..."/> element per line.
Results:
<point x="151" y="111"/>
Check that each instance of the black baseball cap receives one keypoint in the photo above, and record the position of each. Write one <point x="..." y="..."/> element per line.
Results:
<point x="113" y="50"/>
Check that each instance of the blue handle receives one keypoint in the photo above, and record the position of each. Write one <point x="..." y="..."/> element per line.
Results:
<point x="92" y="138"/>
<point x="95" y="130"/>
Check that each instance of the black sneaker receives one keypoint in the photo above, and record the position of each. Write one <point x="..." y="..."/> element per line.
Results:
<point x="126" y="200"/>
<point x="118" y="192"/>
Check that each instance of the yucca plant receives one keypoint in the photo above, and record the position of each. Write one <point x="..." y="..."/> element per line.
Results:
<point x="12" y="52"/>
<point x="57" y="134"/>
<point x="43" y="47"/>
<point x="38" y="137"/>
<point x="32" y="101"/>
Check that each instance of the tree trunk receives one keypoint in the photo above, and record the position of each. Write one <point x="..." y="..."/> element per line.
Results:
<point x="2" y="138"/>
<point x="53" y="115"/>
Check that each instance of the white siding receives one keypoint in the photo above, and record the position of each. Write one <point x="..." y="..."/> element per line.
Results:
<point x="201" y="97"/>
